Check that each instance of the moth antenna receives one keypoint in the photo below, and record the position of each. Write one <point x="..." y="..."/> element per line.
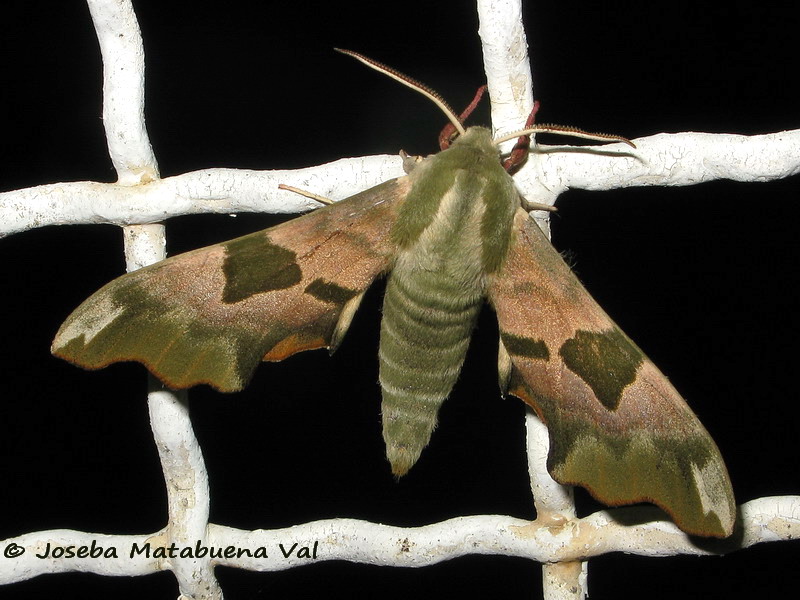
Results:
<point x="412" y="83"/>
<point x="566" y="130"/>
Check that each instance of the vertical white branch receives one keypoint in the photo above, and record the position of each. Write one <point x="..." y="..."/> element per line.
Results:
<point x="187" y="490"/>
<point x="508" y="75"/>
<point x="565" y="580"/>
<point x="555" y="506"/>
<point x="505" y="57"/>
<point x="144" y="245"/>
<point x="554" y="502"/>
<point x="130" y="150"/>
<point x="123" y="90"/>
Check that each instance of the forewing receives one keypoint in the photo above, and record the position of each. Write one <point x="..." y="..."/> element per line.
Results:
<point x="617" y="426"/>
<point x="211" y="315"/>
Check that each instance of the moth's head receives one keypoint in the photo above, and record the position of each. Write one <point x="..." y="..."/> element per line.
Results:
<point x="476" y="137"/>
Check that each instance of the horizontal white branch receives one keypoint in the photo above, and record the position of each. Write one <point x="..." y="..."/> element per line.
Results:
<point x="222" y="191"/>
<point x="33" y="546"/>
<point x="768" y="519"/>
<point x="663" y="159"/>
<point x="763" y="520"/>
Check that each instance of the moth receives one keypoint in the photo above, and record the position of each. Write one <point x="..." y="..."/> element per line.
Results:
<point x="449" y="236"/>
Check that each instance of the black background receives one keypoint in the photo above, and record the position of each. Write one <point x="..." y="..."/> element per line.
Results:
<point x="702" y="278"/>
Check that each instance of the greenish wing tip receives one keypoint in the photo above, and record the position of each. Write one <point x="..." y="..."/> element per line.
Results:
<point x="697" y="523"/>
<point x="218" y="375"/>
<point x="698" y="498"/>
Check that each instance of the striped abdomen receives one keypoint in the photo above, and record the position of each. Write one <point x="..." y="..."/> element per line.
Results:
<point x="433" y="296"/>
<point x="426" y="327"/>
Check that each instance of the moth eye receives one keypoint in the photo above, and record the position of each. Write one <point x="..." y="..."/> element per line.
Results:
<point x="447" y="136"/>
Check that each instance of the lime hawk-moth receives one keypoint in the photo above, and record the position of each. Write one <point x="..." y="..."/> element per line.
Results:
<point x="450" y="235"/>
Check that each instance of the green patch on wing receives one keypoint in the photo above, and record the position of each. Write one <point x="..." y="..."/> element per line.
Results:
<point x="329" y="292"/>
<point x="517" y="345"/>
<point x="607" y="361"/>
<point x="254" y="265"/>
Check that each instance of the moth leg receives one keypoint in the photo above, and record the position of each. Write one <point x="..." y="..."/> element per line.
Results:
<point x="345" y="318"/>
<point x="504" y="368"/>
<point x="529" y="206"/>
<point x="306" y="193"/>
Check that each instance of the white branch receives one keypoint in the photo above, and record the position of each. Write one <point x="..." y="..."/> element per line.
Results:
<point x="123" y="90"/>
<point x="36" y="559"/>
<point x="187" y="490"/>
<point x="505" y="59"/>
<point x="662" y="159"/>
<point x="764" y="520"/>
<point x="554" y="502"/>
<point x="178" y="449"/>
<point x="222" y="191"/>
